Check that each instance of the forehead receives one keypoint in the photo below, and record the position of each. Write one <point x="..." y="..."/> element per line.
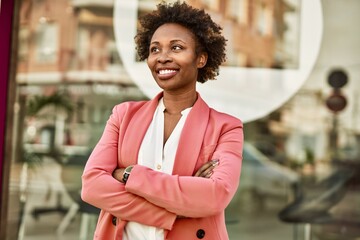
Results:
<point x="171" y="32"/>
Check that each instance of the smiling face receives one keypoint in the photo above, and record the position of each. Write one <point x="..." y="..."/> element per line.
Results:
<point x="173" y="60"/>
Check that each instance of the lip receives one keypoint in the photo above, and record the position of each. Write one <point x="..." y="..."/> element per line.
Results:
<point x="166" y="73"/>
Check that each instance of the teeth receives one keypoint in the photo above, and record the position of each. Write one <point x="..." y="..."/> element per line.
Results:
<point x="166" y="71"/>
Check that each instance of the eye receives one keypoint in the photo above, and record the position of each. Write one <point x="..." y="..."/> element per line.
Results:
<point x="177" y="47"/>
<point x="154" y="49"/>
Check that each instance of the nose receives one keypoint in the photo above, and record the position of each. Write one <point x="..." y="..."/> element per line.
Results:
<point x="164" y="57"/>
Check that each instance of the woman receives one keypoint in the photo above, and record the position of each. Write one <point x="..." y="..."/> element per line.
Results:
<point x="168" y="167"/>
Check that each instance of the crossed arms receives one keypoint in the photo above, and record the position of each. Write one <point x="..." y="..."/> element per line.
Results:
<point x="155" y="198"/>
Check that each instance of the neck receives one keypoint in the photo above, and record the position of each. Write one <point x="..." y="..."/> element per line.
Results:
<point x="175" y="103"/>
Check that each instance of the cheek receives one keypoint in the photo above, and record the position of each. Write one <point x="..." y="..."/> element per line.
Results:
<point x="149" y="62"/>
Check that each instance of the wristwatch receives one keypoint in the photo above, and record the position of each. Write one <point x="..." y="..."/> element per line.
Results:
<point x="126" y="173"/>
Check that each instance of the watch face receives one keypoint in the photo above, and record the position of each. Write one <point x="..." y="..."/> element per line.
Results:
<point x="125" y="177"/>
<point x="127" y="173"/>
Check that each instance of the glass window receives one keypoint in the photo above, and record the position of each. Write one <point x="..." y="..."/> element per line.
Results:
<point x="46" y="41"/>
<point x="212" y="4"/>
<point x="238" y="10"/>
<point x="69" y="76"/>
<point x="23" y="43"/>
<point x="261" y="18"/>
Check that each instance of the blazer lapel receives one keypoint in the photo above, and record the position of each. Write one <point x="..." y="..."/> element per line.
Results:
<point x="136" y="130"/>
<point x="191" y="139"/>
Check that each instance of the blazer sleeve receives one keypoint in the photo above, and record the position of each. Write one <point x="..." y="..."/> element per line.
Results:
<point x="100" y="189"/>
<point x="194" y="196"/>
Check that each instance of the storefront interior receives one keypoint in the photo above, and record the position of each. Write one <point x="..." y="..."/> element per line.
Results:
<point x="292" y="79"/>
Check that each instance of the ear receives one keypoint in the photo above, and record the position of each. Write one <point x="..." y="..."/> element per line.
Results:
<point x="202" y="59"/>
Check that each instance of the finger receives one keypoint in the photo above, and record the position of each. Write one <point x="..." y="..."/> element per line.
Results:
<point x="209" y="165"/>
<point x="207" y="171"/>
<point x="206" y="168"/>
<point x="215" y="162"/>
<point x="207" y="174"/>
<point x="210" y="170"/>
<point x="203" y="168"/>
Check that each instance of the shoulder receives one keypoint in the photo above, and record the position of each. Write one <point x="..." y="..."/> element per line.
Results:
<point x="224" y="118"/>
<point x="218" y="117"/>
<point x="129" y="107"/>
<point x="123" y="113"/>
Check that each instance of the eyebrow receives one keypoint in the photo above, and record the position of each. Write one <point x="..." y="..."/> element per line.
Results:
<point x="172" y="41"/>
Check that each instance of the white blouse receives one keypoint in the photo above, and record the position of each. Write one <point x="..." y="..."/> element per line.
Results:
<point x="152" y="154"/>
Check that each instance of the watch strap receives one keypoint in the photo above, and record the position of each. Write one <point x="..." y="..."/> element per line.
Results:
<point x="126" y="174"/>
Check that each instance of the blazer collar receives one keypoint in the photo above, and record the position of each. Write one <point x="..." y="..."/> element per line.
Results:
<point x="136" y="130"/>
<point x="191" y="138"/>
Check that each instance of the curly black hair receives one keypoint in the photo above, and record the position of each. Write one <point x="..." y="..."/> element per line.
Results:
<point x="207" y="33"/>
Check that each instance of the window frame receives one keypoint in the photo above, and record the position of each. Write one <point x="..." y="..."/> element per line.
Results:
<point x="9" y="23"/>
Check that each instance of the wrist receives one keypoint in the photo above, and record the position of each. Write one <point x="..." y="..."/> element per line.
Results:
<point x="118" y="174"/>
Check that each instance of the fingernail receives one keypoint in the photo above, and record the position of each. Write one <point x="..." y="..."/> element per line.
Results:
<point x="215" y="162"/>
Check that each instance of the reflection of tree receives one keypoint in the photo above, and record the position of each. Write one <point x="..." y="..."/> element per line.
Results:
<point x="32" y="158"/>
<point x="57" y="99"/>
<point x="61" y="103"/>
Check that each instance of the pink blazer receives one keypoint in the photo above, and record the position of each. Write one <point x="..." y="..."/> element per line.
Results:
<point x="155" y="198"/>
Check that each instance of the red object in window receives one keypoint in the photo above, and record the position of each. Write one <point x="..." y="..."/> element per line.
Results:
<point x="336" y="102"/>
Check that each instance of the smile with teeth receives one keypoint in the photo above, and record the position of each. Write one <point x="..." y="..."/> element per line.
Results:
<point x="166" y="71"/>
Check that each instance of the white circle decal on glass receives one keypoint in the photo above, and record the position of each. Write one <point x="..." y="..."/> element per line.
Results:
<point x="250" y="84"/>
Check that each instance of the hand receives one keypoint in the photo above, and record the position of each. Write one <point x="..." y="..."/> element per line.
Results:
<point x="206" y="170"/>
<point x="118" y="174"/>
